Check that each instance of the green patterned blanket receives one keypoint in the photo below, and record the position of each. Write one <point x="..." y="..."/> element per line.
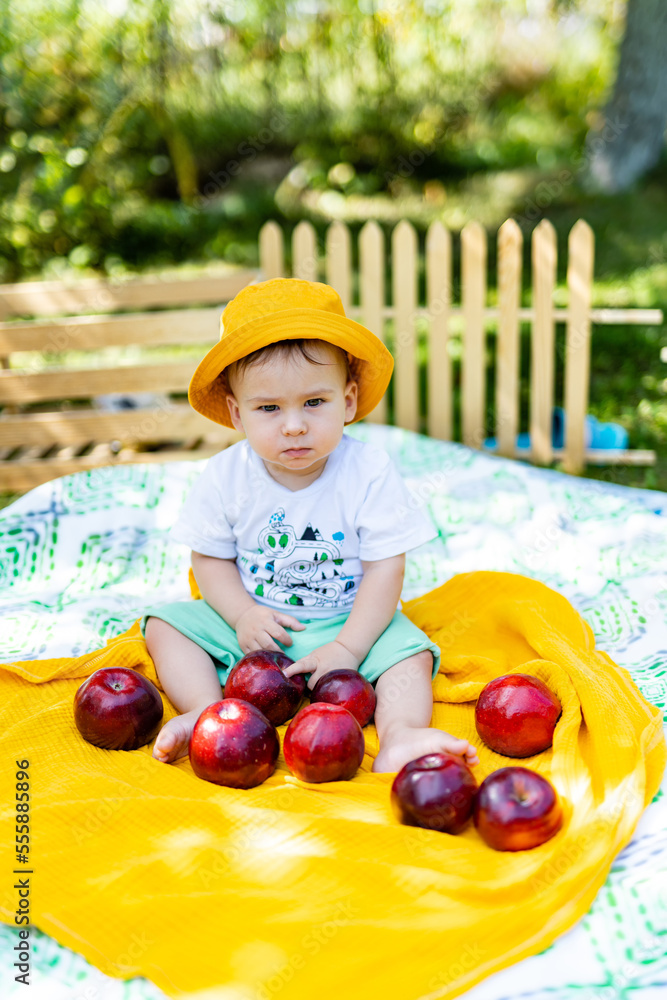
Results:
<point x="81" y="557"/>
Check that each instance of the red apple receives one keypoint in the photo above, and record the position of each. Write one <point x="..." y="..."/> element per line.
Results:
<point x="517" y="809"/>
<point x="118" y="709"/>
<point x="436" y="791"/>
<point x="323" y="743"/>
<point x="516" y="715"/>
<point x="259" y="679"/>
<point x="349" y="689"/>
<point x="233" y="744"/>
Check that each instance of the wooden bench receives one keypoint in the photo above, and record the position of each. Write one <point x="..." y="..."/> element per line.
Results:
<point x="50" y="424"/>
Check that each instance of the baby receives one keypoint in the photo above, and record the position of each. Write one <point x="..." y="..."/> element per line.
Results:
<point x="298" y="532"/>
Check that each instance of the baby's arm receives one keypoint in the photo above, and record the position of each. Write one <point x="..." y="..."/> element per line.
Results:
<point x="373" y="609"/>
<point x="256" y="625"/>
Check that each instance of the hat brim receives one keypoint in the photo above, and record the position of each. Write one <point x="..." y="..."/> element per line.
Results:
<point x="206" y="393"/>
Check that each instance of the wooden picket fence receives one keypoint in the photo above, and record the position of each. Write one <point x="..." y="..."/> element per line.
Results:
<point x="44" y="432"/>
<point x="475" y="316"/>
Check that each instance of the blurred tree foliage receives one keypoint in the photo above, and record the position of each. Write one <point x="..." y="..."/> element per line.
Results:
<point x="132" y="132"/>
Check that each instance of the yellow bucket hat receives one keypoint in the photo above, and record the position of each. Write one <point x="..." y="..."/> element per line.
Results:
<point x="288" y="309"/>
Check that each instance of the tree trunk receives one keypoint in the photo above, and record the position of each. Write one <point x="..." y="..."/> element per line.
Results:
<point x="632" y="136"/>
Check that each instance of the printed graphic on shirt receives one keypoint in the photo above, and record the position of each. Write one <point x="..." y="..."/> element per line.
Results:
<point x="314" y="575"/>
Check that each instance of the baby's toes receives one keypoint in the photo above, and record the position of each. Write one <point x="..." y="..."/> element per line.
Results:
<point x="164" y="744"/>
<point x="172" y="741"/>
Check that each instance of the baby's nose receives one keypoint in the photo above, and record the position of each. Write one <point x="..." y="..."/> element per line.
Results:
<point x="294" y="423"/>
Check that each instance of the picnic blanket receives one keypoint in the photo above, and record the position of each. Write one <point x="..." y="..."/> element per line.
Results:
<point x="285" y="886"/>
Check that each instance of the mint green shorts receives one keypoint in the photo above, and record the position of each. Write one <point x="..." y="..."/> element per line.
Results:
<point x="199" y="622"/>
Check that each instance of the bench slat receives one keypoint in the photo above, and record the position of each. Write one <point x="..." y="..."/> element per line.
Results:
<point x="16" y="475"/>
<point x="48" y="298"/>
<point x="80" y="333"/>
<point x="77" y="427"/>
<point x="17" y="387"/>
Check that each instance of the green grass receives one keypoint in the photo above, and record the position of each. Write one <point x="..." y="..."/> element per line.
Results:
<point x="628" y="379"/>
<point x="7" y="498"/>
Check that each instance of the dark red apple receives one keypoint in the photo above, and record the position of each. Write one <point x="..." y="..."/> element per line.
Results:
<point x="517" y="809"/>
<point x="118" y="709"/>
<point x="323" y="743"/>
<point x="233" y="744"/>
<point x="436" y="791"/>
<point x="259" y="679"/>
<point x="516" y="715"/>
<point x="349" y="689"/>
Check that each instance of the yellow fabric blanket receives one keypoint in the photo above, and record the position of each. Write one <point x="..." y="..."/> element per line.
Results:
<point x="291" y="890"/>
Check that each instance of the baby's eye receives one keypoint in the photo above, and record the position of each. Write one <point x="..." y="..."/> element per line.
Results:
<point x="315" y="401"/>
<point x="268" y="408"/>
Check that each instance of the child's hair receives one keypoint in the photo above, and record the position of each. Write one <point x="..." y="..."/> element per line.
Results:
<point x="284" y="349"/>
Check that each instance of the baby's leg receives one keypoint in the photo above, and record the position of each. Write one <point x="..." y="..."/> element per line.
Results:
<point x="190" y="681"/>
<point x="403" y="714"/>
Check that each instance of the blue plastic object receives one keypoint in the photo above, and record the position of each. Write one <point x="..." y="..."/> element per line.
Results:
<point x="603" y="437"/>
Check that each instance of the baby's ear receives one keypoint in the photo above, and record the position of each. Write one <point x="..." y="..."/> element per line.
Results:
<point x="355" y="374"/>
<point x="233" y="409"/>
<point x="224" y="388"/>
<point x="226" y="384"/>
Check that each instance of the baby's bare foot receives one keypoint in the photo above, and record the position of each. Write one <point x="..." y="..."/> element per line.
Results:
<point x="173" y="740"/>
<point x="402" y="745"/>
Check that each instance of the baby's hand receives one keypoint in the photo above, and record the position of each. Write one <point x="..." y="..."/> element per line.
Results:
<point x="331" y="656"/>
<point x="259" y="626"/>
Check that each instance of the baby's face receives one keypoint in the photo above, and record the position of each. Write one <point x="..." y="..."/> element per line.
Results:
<point x="294" y="412"/>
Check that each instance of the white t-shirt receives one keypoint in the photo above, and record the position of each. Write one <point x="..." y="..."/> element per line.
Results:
<point x="300" y="551"/>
